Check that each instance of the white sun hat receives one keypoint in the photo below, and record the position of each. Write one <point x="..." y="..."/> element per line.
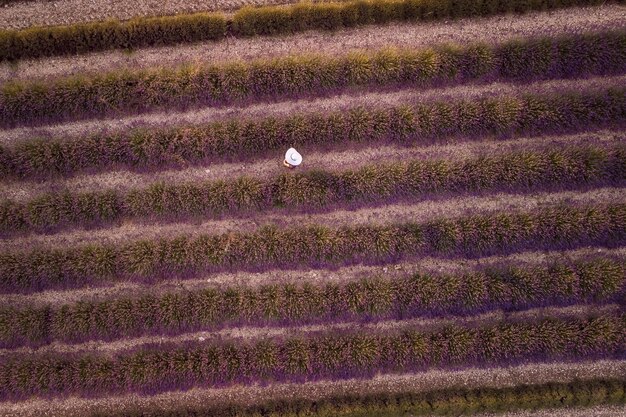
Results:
<point x="293" y="157"/>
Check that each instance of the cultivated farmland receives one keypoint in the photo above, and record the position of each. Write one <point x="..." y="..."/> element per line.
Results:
<point x="453" y="243"/>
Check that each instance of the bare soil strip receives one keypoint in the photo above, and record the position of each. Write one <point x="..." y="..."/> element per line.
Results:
<point x="534" y="373"/>
<point x="333" y="103"/>
<point x="597" y="411"/>
<point x="338" y="158"/>
<point x="66" y="12"/>
<point x="254" y="333"/>
<point x="491" y="29"/>
<point x="432" y="265"/>
<point x="441" y="206"/>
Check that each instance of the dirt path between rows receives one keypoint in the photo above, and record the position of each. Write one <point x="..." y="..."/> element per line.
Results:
<point x="491" y="29"/>
<point x="596" y="411"/>
<point x="65" y="12"/>
<point x="249" y="333"/>
<point x="334" y="103"/>
<point x="423" y="211"/>
<point x="433" y="265"/>
<point x="534" y="373"/>
<point x="334" y="159"/>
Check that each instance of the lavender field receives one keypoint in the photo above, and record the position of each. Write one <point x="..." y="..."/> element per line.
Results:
<point x="453" y="242"/>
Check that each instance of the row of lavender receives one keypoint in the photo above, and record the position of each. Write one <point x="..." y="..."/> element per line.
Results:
<point x="550" y="227"/>
<point x="330" y="354"/>
<point x="509" y="287"/>
<point x="525" y="171"/>
<point x="125" y="91"/>
<point x="443" y="402"/>
<point x="182" y="28"/>
<point x="421" y="123"/>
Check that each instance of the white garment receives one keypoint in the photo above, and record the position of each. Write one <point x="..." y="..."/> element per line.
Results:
<point x="293" y="157"/>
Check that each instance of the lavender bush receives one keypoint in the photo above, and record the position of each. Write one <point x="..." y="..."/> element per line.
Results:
<point x="338" y="354"/>
<point x="168" y="30"/>
<point x="125" y="91"/>
<point x="445" y="402"/>
<point x="421" y="123"/>
<point x="319" y="190"/>
<point x="597" y="280"/>
<point x="498" y="232"/>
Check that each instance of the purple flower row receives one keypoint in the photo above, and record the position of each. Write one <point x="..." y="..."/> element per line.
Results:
<point x="336" y="354"/>
<point x="124" y="91"/>
<point x="598" y="279"/>
<point x="269" y="246"/>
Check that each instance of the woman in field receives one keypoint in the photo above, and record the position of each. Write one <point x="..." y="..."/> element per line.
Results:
<point x="292" y="158"/>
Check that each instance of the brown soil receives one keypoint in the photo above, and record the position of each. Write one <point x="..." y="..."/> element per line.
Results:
<point x="393" y="213"/>
<point x="65" y="12"/>
<point x="536" y="373"/>
<point x="492" y="29"/>
<point x="315" y="276"/>
<point x="597" y="411"/>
